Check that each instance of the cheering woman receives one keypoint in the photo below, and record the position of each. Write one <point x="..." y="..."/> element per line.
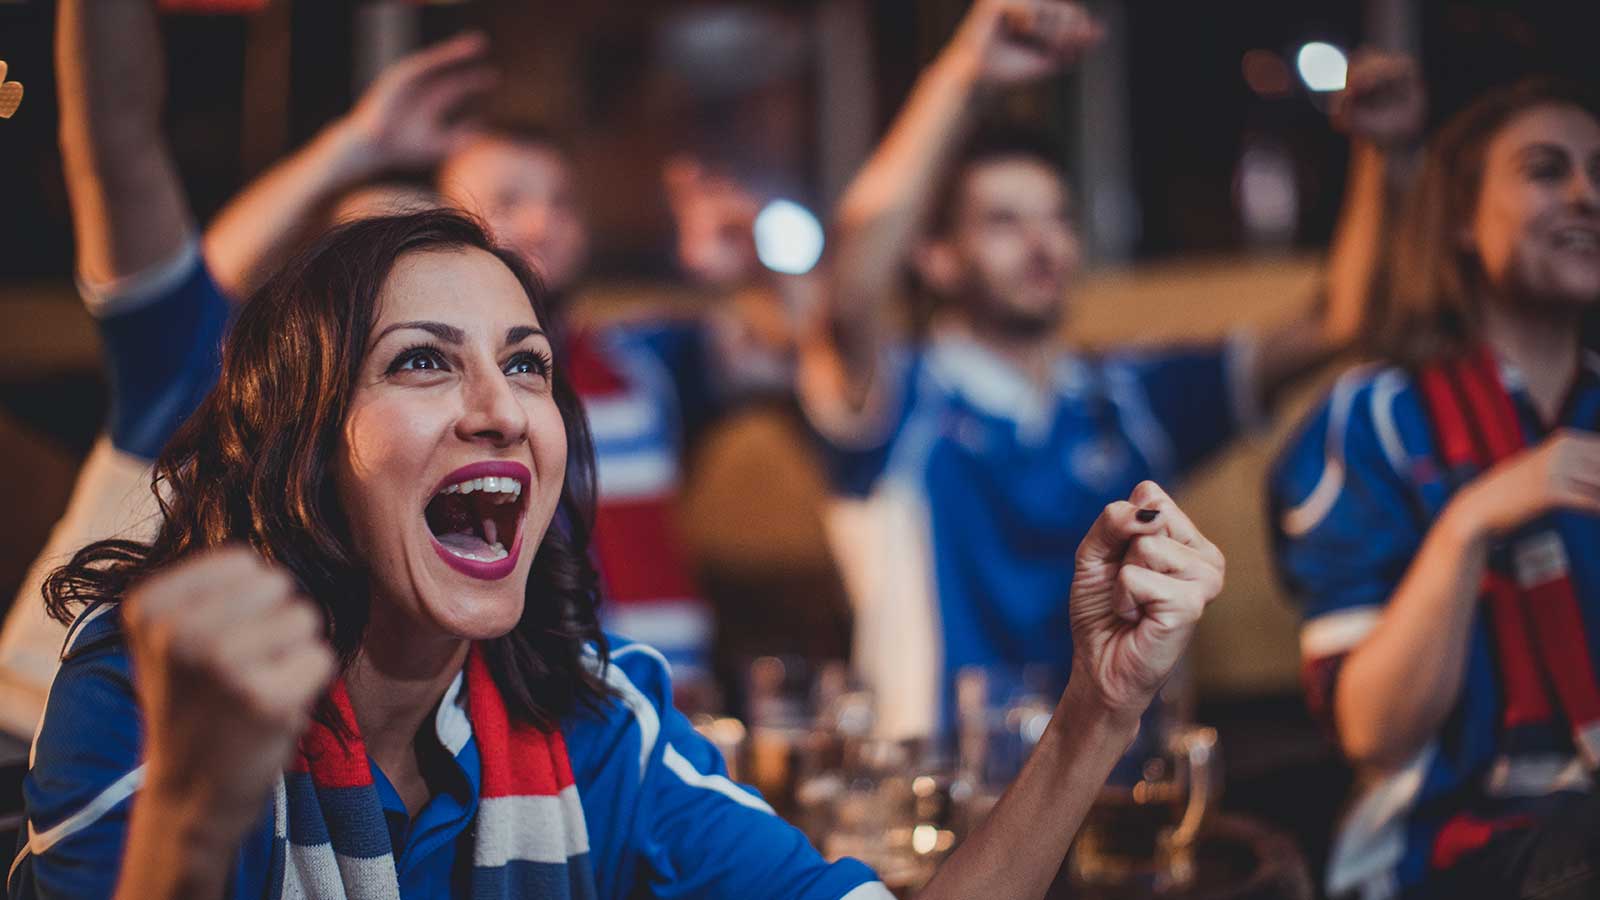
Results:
<point x="1437" y="517"/>
<point x="360" y="657"/>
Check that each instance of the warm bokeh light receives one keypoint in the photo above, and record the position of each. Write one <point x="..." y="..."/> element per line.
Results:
<point x="1267" y="74"/>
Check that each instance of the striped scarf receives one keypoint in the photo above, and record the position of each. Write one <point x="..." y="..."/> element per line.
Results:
<point x="1547" y="674"/>
<point x="529" y="842"/>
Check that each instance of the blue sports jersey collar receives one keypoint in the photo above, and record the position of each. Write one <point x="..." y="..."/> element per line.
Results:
<point x="425" y="847"/>
<point x="995" y="386"/>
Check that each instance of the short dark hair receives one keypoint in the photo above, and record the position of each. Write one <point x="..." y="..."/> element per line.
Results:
<point x="253" y="465"/>
<point x="987" y="146"/>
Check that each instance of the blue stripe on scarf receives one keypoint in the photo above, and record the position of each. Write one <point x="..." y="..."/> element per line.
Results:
<point x="520" y="878"/>
<point x="363" y="832"/>
<point x="306" y="826"/>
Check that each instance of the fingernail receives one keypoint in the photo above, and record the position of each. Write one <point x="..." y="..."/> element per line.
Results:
<point x="1147" y="515"/>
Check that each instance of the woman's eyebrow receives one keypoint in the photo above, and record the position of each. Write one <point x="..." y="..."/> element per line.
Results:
<point x="447" y="333"/>
<point x="1543" y="148"/>
<point x="522" y="332"/>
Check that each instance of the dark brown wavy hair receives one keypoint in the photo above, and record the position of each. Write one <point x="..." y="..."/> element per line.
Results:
<point x="253" y="465"/>
<point x="1431" y="305"/>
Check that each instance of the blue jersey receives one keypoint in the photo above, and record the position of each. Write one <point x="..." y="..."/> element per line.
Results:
<point x="1353" y="496"/>
<point x="163" y="349"/>
<point x="975" y="498"/>
<point x="664" y="819"/>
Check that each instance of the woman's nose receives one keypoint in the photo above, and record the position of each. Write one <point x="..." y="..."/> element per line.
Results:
<point x="491" y="411"/>
<point x="1584" y="191"/>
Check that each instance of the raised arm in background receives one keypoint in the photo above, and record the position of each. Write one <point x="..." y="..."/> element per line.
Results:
<point x="1383" y="109"/>
<point x="129" y="211"/>
<point x="885" y="210"/>
<point x="409" y="119"/>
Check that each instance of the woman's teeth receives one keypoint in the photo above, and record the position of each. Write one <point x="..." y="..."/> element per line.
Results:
<point x="508" y="489"/>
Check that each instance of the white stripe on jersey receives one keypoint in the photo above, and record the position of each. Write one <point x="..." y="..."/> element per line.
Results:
<point x="1371" y="840"/>
<point x="636" y="702"/>
<point x="1536" y="775"/>
<point x="451" y="722"/>
<point x="680" y="766"/>
<point x="1300" y="519"/>
<point x="1337" y="632"/>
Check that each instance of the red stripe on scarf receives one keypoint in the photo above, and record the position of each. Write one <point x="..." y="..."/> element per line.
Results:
<point x="1560" y="631"/>
<point x="1455" y="438"/>
<point x="1540" y="634"/>
<point x="518" y="759"/>
<point x="332" y="762"/>
<point x="1491" y="406"/>
<point x="1527" y="701"/>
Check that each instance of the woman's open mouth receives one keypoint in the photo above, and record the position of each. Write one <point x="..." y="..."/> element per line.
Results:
<point x="476" y="515"/>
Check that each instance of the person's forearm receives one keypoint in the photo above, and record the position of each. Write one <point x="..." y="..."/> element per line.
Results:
<point x="171" y="853"/>
<point x="1396" y="689"/>
<point x="886" y="206"/>
<point x="258" y="228"/>
<point x="1357" y="246"/>
<point x="128" y="207"/>
<point x="1018" y="849"/>
<point x="1298" y="349"/>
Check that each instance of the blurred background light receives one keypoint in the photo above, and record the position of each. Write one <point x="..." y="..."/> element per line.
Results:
<point x="788" y="238"/>
<point x="1322" y="66"/>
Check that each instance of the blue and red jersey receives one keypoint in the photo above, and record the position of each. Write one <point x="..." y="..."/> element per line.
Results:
<point x="1353" y="496"/>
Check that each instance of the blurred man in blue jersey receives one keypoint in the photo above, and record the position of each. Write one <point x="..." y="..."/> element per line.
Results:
<point x="983" y="452"/>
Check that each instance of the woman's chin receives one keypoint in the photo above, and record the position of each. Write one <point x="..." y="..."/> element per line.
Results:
<point x="476" y="615"/>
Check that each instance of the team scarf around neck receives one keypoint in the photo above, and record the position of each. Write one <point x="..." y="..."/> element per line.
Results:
<point x="529" y="838"/>
<point x="1547" y="673"/>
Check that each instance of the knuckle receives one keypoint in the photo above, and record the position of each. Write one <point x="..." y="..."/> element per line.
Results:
<point x="306" y="622"/>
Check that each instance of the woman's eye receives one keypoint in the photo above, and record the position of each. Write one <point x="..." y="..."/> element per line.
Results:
<point x="418" y="359"/>
<point x="528" y="363"/>
<point x="1548" y="170"/>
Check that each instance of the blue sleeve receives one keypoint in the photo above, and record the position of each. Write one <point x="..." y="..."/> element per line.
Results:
<point x="1345" y="527"/>
<point x="1345" y="522"/>
<point x="85" y="773"/>
<point x="1179" y="406"/>
<point x="701" y="835"/>
<point x="163" y="357"/>
<point x="77" y="794"/>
